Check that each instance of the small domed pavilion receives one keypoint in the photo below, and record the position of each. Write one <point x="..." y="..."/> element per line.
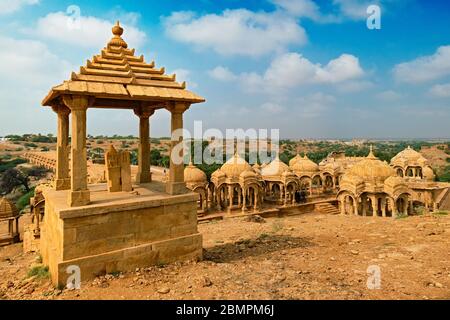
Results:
<point x="281" y="183"/>
<point x="236" y="185"/>
<point x="371" y="188"/>
<point x="197" y="181"/>
<point x="308" y="173"/>
<point x="9" y="215"/>
<point x="412" y="164"/>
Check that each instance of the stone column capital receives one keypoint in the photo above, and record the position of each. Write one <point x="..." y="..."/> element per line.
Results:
<point x="61" y="109"/>
<point x="177" y="107"/>
<point x="74" y="102"/>
<point x="143" y="113"/>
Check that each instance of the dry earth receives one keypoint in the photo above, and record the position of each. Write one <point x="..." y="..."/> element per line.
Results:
<point x="309" y="256"/>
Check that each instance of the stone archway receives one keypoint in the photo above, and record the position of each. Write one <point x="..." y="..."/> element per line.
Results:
<point x="401" y="204"/>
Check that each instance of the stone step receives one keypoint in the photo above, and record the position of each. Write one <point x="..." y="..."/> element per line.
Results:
<point x="327" y="208"/>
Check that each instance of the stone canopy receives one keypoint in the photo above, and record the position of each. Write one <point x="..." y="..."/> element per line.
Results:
<point x="118" y="74"/>
<point x="116" y="79"/>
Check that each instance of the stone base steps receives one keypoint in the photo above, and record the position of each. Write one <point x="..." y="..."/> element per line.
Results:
<point x="327" y="208"/>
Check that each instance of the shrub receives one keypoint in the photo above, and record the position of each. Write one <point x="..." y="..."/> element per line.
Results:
<point x="24" y="200"/>
<point x="31" y="145"/>
<point x="40" y="272"/>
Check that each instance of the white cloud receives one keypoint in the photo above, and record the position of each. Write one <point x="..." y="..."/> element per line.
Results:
<point x="389" y="95"/>
<point x="352" y="86"/>
<point x="290" y="70"/>
<point x="354" y="9"/>
<point x="28" y="69"/>
<point x="272" y="108"/>
<point x="343" y="9"/>
<point x="236" y="32"/>
<point x="441" y="90"/>
<point x="222" y="74"/>
<point x="84" y="31"/>
<point x="314" y="105"/>
<point x="425" y="68"/>
<point x="10" y="6"/>
<point x="305" y="9"/>
<point x="30" y="64"/>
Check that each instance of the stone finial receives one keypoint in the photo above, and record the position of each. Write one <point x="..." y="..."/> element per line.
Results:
<point x="117" y="31"/>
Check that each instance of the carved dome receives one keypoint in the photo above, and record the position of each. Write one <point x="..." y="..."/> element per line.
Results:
<point x="248" y="174"/>
<point x="275" y="168"/>
<point x="371" y="169"/>
<point x="428" y="173"/>
<point x="305" y="165"/>
<point x="235" y="166"/>
<point x="394" y="181"/>
<point x="7" y="209"/>
<point x="192" y="174"/>
<point x="409" y="155"/>
<point x="294" y="160"/>
<point x="218" y="174"/>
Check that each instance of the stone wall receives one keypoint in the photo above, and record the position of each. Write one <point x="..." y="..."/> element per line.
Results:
<point x="109" y="240"/>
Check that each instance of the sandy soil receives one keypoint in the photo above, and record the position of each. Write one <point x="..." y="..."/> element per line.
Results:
<point x="309" y="256"/>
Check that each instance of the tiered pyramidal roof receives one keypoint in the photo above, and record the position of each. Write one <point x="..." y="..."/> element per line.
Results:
<point x="116" y="73"/>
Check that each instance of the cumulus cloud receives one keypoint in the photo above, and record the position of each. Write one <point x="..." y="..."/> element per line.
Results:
<point x="222" y="74"/>
<point x="235" y="32"/>
<point x="354" y="86"/>
<point x="30" y="64"/>
<point x="388" y="95"/>
<point x="441" y="90"/>
<point x="305" y="9"/>
<point x="29" y="70"/>
<point x="272" y="108"/>
<point x="354" y="9"/>
<point x="11" y="6"/>
<point x="290" y="70"/>
<point x="79" y="31"/>
<point x="315" y="105"/>
<point x="425" y="68"/>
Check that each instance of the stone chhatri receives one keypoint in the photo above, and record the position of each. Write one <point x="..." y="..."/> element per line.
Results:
<point x="102" y="231"/>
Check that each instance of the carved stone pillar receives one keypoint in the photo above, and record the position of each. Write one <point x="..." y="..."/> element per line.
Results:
<point x="383" y="207"/>
<point x="374" y="206"/>
<point x="176" y="184"/>
<point x="144" y="175"/>
<point x="62" y="176"/>
<point x="244" y="200"/>
<point x="79" y="193"/>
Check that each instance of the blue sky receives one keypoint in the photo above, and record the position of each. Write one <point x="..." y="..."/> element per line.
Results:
<point x="309" y="68"/>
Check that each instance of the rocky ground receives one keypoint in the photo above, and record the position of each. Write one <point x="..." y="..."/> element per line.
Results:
<point x="309" y="256"/>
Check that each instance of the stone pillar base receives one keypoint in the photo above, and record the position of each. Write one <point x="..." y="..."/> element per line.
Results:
<point x="143" y="177"/>
<point x="79" y="198"/>
<point x="174" y="188"/>
<point x="62" y="184"/>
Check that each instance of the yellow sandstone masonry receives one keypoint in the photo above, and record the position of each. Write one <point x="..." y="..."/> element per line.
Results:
<point x="148" y="230"/>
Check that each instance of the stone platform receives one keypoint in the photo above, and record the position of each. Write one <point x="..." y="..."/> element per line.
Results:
<point x="118" y="231"/>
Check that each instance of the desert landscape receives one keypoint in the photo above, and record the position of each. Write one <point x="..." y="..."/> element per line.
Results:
<point x="311" y="256"/>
